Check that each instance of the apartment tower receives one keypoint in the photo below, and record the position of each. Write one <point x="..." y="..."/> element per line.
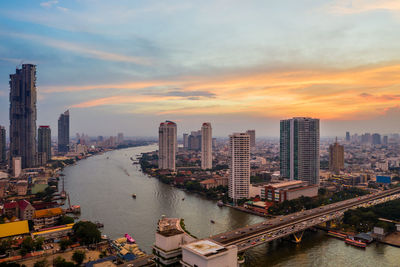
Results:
<point x="206" y="146"/>
<point x="2" y="145"/>
<point x="336" y="157"/>
<point x="23" y="115"/>
<point x="252" y="134"/>
<point x="167" y="145"/>
<point x="44" y="144"/>
<point x="239" y="166"/>
<point x="299" y="149"/>
<point x="63" y="133"/>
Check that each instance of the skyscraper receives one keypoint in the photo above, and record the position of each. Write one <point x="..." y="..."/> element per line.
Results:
<point x="23" y="115"/>
<point x="206" y="146"/>
<point x="376" y="139"/>
<point x="167" y="145"/>
<point x="336" y="157"/>
<point x="185" y="140"/>
<point x="299" y="149"/>
<point x="44" y="144"/>
<point x="239" y="166"/>
<point x="63" y="133"/>
<point x="2" y="144"/>
<point x="347" y="136"/>
<point x="120" y="138"/>
<point x="252" y="134"/>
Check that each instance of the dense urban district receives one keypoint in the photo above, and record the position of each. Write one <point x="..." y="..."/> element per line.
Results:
<point x="347" y="186"/>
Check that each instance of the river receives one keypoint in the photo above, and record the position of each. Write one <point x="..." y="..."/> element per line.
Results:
<point x="103" y="184"/>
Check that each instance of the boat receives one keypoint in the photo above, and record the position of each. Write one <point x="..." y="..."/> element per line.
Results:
<point x="212" y="221"/>
<point x="355" y="243"/>
<point x="99" y="225"/>
<point x="337" y="235"/>
<point x="183" y="199"/>
<point x="133" y="195"/>
<point x="220" y="203"/>
<point x="129" y="239"/>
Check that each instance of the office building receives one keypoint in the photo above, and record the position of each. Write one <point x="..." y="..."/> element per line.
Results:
<point x="239" y="166"/>
<point x="299" y="149"/>
<point x="385" y="140"/>
<point x="63" y="133"/>
<point x="206" y="146"/>
<point x="336" y="158"/>
<point x="23" y="115"/>
<point x="44" y="144"/>
<point x="252" y="134"/>
<point x="185" y="141"/>
<point x="194" y="140"/>
<point x="2" y="145"/>
<point x="376" y="139"/>
<point x="167" y="145"/>
<point x="347" y="136"/>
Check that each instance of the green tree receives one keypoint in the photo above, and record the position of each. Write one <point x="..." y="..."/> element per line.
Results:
<point x="65" y="220"/>
<point x="65" y="243"/>
<point x="78" y="256"/>
<point x="41" y="263"/>
<point x="38" y="243"/>
<point x="86" y="232"/>
<point x="28" y="244"/>
<point x="61" y="262"/>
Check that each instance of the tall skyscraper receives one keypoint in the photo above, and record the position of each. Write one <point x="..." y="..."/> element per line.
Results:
<point x="194" y="140"/>
<point x="252" y="134"/>
<point x="336" y="157"/>
<point x="206" y="146"/>
<point x="63" y="133"/>
<point x="185" y="140"/>
<point x="2" y="144"/>
<point x="376" y="139"/>
<point x="44" y="144"/>
<point x="239" y="166"/>
<point x="385" y="139"/>
<point x="299" y="149"/>
<point x="167" y="145"/>
<point x="347" y="136"/>
<point x="23" y="115"/>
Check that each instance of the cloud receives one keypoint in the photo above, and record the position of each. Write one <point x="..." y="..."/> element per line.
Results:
<point x="360" y="6"/>
<point x="49" y="3"/>
<point x="82" y="50"/>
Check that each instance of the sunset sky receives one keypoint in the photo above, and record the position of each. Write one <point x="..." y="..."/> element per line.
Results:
<point x="125" y="66"/>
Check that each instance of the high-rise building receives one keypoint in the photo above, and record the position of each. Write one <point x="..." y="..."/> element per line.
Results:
<point x="185" y="140"/>
<point x="44" y="144"/>
<point x="252" y="134"/>
<point x="23" y="115"/>
<point x="376" y="139"/>
<point x="336" y="157"/>
<point x="167" y="145"/>
<point x="239" y="166"/>
<point x="194" y="140"/>
<point x="63" y="133"/>
<point x="120" y="138"/>
<point x="385" y="140"/>
<point x="206" y="146"/>
<point x="2" y="144"/>
<point x="299" y="149"/>
<point x="347" y="136"/>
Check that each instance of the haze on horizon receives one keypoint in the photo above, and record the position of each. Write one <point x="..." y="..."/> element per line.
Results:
<point x="125" y="66"/>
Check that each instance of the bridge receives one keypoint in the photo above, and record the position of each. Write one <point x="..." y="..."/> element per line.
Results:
<point x="296" y="223"/>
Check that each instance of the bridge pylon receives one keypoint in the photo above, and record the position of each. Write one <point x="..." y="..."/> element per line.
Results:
<point x="297" y="237"/>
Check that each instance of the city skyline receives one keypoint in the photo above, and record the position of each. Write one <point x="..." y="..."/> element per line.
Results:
<point x="254" y="74"/>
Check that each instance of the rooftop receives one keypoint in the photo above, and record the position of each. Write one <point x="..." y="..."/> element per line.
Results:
<point x="14" y="228"/>
<point x="48" y="212"/>
<point x="205" y="247"/>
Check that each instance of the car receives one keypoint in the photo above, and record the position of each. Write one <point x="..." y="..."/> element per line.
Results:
<point x="262" y="239"/>
<point x="222" y="237"/>
<point x="253" y="243"/>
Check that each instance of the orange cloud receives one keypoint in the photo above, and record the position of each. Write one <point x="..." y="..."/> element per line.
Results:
<point x="328" y="94"/>
<point x="359" y="6"/>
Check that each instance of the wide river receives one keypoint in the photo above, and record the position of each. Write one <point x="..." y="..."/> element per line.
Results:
<point x="103" y="186"/>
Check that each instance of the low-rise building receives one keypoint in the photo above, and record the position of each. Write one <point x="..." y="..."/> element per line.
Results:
<point x="22" y="188"/>
<point x="289" y="190"/>
<point x="207" y="253"/>
<point x="26" y="210"/>
<point x="46" y="217"/>
<point x="14" y="229"/>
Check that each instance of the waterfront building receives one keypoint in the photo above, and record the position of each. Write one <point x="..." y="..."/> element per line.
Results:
<point x="299" y="149"/>
<point x="252" y="134"/>
<point x="167" y="145"/>
<point x="206" y="146"/>
<point x="2" y="145"/>
<point x="120" y="138"/>
<point x="46" y="217"/>
<point x="204" y="253"/>
<point x="44" y="144"/>
<point x="289" y="190"/>
<point x="239" y="166"/>
<point x="23" y="115"/>
<point x="336" y="157"/>
<point x="63" y="133"/>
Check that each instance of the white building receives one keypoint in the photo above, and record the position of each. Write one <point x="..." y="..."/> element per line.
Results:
<point x="167" y="145"/>
<point x="206" y="146"/>
<point x="16" y="166"/>
<point x="207" y="253"/>
<point x="239" y="165"/>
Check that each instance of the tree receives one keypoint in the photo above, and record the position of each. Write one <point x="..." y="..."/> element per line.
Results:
<point x="65" y="220"/>
<point x="41" y="263"/>
<point x="61" y="262"/>
<point x="86" y="232"/>
<point x="28" y="244"/>
<point x="38" y="243"/>
<point x="65" y="243"/>
<point x="78" y="256"/>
